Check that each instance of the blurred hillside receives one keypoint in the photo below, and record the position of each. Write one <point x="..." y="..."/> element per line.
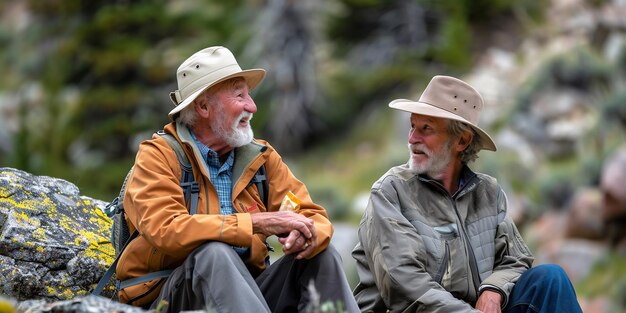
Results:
<point x="85" y="81"/>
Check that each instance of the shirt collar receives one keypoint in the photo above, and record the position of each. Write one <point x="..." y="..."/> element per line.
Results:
<point x="211" y="157"/>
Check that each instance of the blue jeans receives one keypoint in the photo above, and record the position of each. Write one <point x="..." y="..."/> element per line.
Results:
<point x="545" y="288"/>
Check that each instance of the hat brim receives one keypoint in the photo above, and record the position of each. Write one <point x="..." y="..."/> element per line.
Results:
<point x="253" y="77"/>
<point x="423" y="108"/>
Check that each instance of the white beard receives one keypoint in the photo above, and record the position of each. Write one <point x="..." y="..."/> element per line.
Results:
<point x="234" y="135"/>
<point x="436" y="162"/>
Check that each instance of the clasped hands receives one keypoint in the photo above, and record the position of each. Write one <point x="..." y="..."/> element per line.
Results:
<point x="295" y="232"/>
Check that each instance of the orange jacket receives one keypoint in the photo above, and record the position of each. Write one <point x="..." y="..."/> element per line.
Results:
<point x="168" y="233"/>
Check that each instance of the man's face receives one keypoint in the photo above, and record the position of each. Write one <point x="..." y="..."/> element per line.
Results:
<point x="430" y="145"/>
<point x="232" y="114"/>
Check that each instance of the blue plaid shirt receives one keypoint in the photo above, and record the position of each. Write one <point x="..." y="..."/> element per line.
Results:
<point x="220" y="174"/>
<point x="221" y="178"/>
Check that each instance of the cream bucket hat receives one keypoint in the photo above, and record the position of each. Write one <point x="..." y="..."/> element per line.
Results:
<point x="206" y="68"/>
<point x="451" y="98"/>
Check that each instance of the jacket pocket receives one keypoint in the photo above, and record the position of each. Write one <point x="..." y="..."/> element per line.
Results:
<point x="449" y="241"/>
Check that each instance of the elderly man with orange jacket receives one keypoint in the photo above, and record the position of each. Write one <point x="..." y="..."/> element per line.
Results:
<point x="219" y="255"/>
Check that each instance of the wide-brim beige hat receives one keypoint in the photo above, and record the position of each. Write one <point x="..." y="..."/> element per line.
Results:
<point x="451" y="98"/>
<point x="205" y="69"/>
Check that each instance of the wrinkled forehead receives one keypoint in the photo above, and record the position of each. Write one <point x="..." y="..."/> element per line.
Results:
<point x="417" y="118"/>
<point x="234" y="83"/>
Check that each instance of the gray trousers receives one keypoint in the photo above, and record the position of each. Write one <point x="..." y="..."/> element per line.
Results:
<point x="214" y="278"/>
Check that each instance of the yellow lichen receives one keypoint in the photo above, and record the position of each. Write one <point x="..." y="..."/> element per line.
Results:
<point x="39" y="234"/>
<point x="103" y="223"/>
<point x="6" y="305"/>
<point x="68" y="294"/>
<point x="99" y="245"/>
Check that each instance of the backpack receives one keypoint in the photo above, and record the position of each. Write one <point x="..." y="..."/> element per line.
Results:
<point x="120" y="234"/>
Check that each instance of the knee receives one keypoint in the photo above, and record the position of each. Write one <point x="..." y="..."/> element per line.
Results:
<point x="549" y="270"/>
<point x="214" y="250"/>
<point x="329" y="255"/>
<point x="552" y="273"/>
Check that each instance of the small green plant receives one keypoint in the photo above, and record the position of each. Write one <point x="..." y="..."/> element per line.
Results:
<point x="162" y="306"/>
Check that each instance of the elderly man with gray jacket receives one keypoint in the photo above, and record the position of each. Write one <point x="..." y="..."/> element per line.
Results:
<point x="435" y="236"/>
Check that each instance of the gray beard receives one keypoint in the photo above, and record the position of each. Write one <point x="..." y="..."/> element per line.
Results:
<point x="436" y="163"/>
<point x="237" y="137"/>
<point x="234" y="135"/>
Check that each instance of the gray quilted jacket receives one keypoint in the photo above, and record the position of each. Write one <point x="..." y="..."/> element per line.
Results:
<point x="423" y="250"/>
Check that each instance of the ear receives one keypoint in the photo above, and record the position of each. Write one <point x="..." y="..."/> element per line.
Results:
<point x="201" y="107"/>
<point x="464" y="141"/>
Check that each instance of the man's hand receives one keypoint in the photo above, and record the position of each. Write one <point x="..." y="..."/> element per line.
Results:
<point x="300" y="244"/>
<point x="489" y="301"/>
<point x="299" y="231"/>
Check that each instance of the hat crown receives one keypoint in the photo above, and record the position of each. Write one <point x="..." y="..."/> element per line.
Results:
<point x="450" y="98"/>
<point x="203" y="67"/>
<point x="455" y="96"/>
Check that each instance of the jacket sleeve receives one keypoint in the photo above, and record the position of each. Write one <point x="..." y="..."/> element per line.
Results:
<point x="154" y="205"/>
<point x="392" y="247"/>
<point x="512" y="256"/>
<point x="281" y="180"/>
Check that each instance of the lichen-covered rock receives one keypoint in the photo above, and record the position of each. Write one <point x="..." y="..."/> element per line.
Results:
<point x="54" y="243"/>
<point x="88" y="304"/>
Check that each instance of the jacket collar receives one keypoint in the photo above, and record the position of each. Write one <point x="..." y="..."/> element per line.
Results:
<point x="185" y="137"/>
<point x="244" y="155"/>
<point x="467" y="180"/>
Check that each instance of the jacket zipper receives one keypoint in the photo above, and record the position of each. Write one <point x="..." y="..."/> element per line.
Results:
<point x="448" y="254"/>
<point x="464" y="237"/>
<point x="471" y="258"/>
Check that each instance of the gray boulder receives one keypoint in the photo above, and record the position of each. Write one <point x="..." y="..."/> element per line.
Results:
<point x="54" y="243"/>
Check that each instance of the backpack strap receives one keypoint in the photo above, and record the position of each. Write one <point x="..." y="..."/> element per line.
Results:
<point x="143" y="278"/>
<point x="109" y="273"/>
<point x="260" y="179"/>
<point x="190" y="187"/>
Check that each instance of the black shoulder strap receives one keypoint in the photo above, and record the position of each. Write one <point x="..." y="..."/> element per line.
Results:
<point x="190" y="187"/>
<point x="109" y="273"/>
<point x="261" y="184"/>
<point x="260" y="179"/>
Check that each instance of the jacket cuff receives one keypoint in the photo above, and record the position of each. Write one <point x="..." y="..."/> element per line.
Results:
<point x="505" y="297"/>
<point x="244" y="228"/>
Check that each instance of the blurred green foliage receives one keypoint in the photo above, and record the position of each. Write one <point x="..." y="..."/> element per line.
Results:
<point x="91" y="75"/>
<point x="603" y="282"/>
<point x="86" y="80"/>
